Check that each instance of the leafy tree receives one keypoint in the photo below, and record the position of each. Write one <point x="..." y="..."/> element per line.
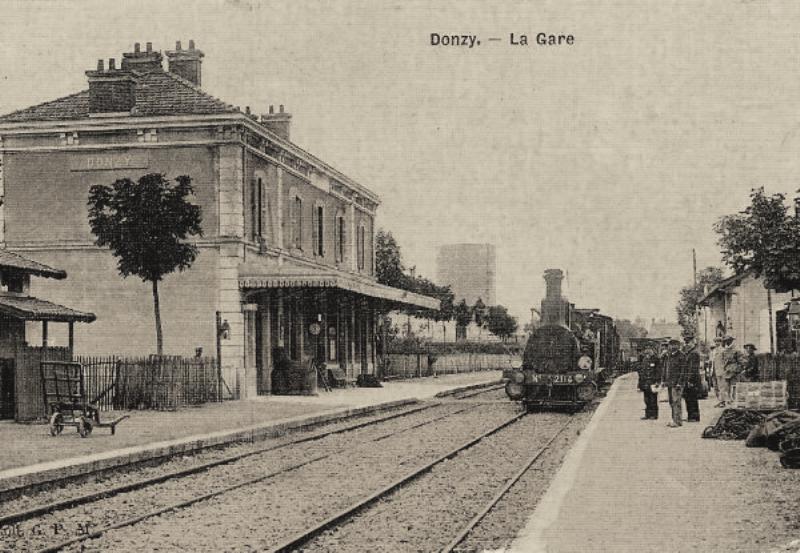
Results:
<point x="691" y="295"/>
<point x="389" y="268"/>
<point x="462" y="314"/>
<point x="421" y="285"/>
<point x="500" y="323"/>
<point x="479" y="310"/>
<point x="764" y="239"/>
<point x="146" y="225"/>
<point x="463" y="317"/>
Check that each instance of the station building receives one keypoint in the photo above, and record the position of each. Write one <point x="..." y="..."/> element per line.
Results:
<point x="741" y="306"/>
<point x="286" y="268"/>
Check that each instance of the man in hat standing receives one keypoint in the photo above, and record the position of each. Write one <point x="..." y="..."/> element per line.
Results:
<point x="675" y="378"/>
<point x="750" y="364"/>
<point x="693" y="382"/>
<point x="649" y="376"/>
<point x="717" y="367"/>
<point x="731" y="367"/>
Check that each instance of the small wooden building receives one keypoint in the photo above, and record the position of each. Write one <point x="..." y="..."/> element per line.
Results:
<point x="20" y="384"/>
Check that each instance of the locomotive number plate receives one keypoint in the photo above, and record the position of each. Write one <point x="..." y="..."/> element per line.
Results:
<point x="551" y="378"/>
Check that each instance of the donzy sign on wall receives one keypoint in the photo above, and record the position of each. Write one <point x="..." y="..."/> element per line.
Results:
<point x="105" y="161"/>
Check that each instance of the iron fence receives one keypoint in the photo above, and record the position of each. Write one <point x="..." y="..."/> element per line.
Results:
<point x="154" y="382"/>
<point x="416" y="365"/>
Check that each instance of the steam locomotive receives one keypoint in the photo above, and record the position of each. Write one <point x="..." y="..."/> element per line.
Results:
<point x="568" y="358"/>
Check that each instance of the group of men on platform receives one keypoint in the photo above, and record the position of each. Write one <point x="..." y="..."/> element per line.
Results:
<point x="681" y="372"/>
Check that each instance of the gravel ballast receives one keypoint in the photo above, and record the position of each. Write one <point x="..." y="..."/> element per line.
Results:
<point x="295" y="493"/>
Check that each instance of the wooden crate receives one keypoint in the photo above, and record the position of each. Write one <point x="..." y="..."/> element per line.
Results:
<point x="761" y="395"/>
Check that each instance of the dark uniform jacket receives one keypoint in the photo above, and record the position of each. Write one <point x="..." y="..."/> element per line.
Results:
<point x="675" y="371"/>
<point x="692" y="360"/>
<point x="750" y="363"/>
<point x="649" y="372"/>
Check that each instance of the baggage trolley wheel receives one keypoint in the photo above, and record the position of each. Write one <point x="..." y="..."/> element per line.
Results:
<point x="56" y="423"/>
<point x="84" y="427"/>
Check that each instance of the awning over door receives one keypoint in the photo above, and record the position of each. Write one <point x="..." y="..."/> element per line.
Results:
<point x="34" y="309"/>
<point x="250" y="279"/>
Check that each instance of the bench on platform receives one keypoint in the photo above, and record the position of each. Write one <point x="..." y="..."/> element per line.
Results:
<point x="338" y="378"/>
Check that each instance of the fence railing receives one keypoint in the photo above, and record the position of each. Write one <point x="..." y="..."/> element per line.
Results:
<point x="150" y="382"/>
<point x="415" y="365"/>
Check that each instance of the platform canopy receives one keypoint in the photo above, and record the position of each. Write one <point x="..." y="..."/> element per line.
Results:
<point x="253" y="277"/>
<point x="34" y="309"/>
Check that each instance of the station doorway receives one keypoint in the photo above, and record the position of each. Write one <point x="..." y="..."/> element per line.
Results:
<point x="8" y="401"/>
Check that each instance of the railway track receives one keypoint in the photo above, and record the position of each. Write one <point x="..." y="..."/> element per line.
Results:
<point x="53" y="507"/>
<point x="305" y="536"/>
<point x="304" y="541"/>
<point x="500" y="494"/>
<point x="83" y="499"/>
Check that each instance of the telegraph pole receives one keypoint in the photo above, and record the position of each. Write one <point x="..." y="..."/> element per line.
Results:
<point x="697" y="307"/>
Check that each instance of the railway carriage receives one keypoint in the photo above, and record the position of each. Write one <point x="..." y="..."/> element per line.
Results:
<point x="568" y="357"/>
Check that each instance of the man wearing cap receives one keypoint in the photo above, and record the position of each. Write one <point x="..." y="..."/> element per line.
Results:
<point x="693" y="383"/>
<point x="649" y="376"/>
<point x="750" y="364"/>
<point x="731" y="367"/>
<point x="718" y="370"/>
<point x="675" y="378"/>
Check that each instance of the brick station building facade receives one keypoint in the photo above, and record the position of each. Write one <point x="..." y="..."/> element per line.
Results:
<point x="288" y="239"/>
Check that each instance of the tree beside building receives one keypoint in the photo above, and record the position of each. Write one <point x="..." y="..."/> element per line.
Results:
<point x="146" y="225"/>
<point x="689" y="298"/>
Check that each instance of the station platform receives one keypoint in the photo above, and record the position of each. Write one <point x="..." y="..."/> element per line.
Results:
<point x="636" y="485"/>
<point x="31" y="454"/>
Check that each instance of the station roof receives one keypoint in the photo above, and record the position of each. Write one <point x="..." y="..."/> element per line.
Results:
<point x="253" y="277"/>
<point x="723" y="286"/>
<point x="15" y="261"/>
<point x="157" y="93"/>
<point x="33" y="309"/>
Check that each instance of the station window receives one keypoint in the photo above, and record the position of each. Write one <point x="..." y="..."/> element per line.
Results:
<point x="339" y="238"/>
<point x="360" y="247"/>
<point x="12" y="282"/>
<point x="297" y="223"/>
<point x="257" y="208"/>
<point x="319" y="230"/>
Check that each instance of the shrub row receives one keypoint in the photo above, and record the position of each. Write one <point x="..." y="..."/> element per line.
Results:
<point x="414" y="345"/>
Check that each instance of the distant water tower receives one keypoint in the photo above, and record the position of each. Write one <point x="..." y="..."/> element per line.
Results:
<point x="469" y="269"/>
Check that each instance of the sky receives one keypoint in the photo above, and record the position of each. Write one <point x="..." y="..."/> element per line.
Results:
<point x="610" y="159"/>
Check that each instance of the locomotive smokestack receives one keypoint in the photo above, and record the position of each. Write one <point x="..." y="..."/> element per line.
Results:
<point x="553" y="278"/>
<point x="554" y="307"/>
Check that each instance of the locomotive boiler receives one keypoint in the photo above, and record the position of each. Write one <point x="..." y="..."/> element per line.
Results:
<point x="566" y="356"/>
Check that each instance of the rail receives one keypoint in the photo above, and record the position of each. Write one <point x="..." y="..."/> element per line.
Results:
<point x="501" y="493"/>
<point x="53" y="507"/>
<point x="347" y="512"/>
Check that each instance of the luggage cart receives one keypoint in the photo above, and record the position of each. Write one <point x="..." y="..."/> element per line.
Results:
<point x="65" y="399"/>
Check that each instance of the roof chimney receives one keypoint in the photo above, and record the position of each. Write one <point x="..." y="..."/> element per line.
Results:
<point x="143" y="62"/>
<point x="112" y="90"/>
<point x="186" y="63"/>
<point x="280" y="123"/>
